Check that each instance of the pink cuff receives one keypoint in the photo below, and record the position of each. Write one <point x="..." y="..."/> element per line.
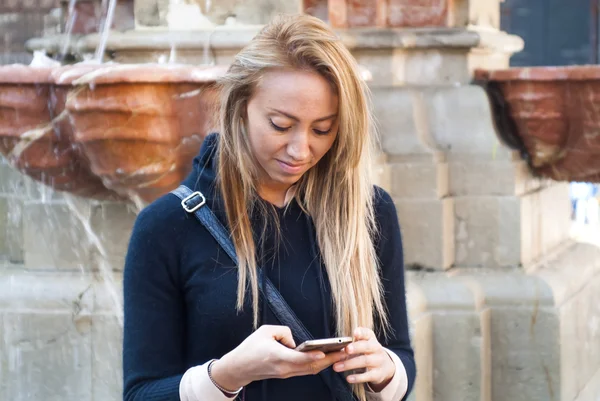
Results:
<point x="195" y="385"/>
<point x="396" y="388"/>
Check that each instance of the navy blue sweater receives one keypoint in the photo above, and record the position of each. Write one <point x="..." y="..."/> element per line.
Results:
<point x="180" y="293"/>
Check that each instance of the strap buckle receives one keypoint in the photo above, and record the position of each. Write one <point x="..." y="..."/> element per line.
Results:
<point x="184" y="202"/>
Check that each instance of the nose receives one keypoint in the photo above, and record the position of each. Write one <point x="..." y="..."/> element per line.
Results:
<point x="298" y="147"/>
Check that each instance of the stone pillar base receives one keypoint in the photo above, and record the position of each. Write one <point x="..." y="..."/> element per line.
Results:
<point x="508" y="335"/>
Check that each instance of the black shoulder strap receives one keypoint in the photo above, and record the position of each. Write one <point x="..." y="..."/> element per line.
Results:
<point x="195" y="202"/>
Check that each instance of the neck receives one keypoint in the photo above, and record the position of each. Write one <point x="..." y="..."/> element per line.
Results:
<point x="277" y="196"/>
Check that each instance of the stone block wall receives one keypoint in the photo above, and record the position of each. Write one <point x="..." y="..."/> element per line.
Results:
<point x="508" y="335"/>
<point x="61" y="259"/>
<point x="477" y="202"/>
<point x="60" y="339"/>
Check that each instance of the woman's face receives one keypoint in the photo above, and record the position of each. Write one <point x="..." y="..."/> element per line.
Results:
<point x="292" y="123"/>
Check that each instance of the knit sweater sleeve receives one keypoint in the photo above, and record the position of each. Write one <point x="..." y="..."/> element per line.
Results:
<point x="154" y="321"/>
<point x="389" y="250"/>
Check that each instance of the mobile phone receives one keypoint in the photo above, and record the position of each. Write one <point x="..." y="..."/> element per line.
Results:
<point x="324" y="345"/>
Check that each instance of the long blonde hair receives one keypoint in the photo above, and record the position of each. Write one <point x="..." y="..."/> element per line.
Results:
<point x="337" y="193"/>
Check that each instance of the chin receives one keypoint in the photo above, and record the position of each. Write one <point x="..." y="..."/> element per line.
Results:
<point x="290" y="180"/>
<point x="286" y="179"/>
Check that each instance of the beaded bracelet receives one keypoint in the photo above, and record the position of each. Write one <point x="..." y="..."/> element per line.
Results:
<point x="227" y="393"/>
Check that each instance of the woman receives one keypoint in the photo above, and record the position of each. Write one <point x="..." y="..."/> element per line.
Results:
<point x="289" y="177"/>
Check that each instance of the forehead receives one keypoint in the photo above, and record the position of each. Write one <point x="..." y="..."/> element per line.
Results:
<point x="296" y="91"/>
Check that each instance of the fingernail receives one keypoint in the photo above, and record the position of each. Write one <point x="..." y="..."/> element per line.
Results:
<point x="349" y="349"/>
<point x="351" y="379"/>
<point x="339" y="366"/>
<point x="319" y="356"/>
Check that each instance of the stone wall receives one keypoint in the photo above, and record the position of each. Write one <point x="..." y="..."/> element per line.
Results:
<point x="21" y="20"/>
<point x="60" y="294"/>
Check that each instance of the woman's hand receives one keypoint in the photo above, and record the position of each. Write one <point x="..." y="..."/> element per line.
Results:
<point x="367" y="354"/>
<point x="269" y="353"/>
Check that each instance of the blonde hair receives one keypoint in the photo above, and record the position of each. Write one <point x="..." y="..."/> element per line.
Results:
<point x="337" y="193"/>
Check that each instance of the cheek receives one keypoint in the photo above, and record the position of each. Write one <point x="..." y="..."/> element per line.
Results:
<point x="256" y="137"/>
<point x="264" y="144"/>
<point x="323" y="147"/>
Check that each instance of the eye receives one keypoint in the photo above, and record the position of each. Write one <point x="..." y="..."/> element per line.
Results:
<point x="322" y="132"/>
<point x="277" y="127"/>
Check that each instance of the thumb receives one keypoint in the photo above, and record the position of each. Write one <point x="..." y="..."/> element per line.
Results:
<point x="283" y="334"/>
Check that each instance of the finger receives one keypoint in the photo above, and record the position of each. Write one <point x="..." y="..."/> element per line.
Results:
<point x="363" y="333"/>
<point x="305" y="363"/>
<point x="316" y="366"/>
<point x="334" y="357"/>
<point x="327" y="359"/>
<point x="359" y="362"/>
<point x="300" y="358"/>
<point x="299" y="365"/>
<point x="363" y="347"/>
<point x="282" y="334"/>
<point x="370" y="376"/>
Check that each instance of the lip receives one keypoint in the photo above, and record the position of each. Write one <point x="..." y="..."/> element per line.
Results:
<point x="291" y="168"/>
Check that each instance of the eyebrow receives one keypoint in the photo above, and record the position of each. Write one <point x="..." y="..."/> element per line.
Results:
<point x="297" y="119"/>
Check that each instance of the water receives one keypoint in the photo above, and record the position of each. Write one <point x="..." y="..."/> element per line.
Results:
<point x="172" y="54"/>
<point x="105" y="30"/>
<point x="26" y="140"/>
<point x="68" y="29"/>
<point x="82" y="210"/>
<point x="207" y="58"/>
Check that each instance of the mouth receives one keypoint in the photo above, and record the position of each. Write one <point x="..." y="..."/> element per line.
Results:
<point x="291" y="168"/>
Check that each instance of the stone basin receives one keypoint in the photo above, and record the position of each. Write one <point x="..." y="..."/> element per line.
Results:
<point x="107" y="131"/>
<point x="141" y="125"/>
<point x="550" y="114"/>
<point x="25" y="116"/>
<point x="33" y="134"/>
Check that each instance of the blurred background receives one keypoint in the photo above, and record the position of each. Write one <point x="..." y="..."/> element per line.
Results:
<point x="489" y="115"/>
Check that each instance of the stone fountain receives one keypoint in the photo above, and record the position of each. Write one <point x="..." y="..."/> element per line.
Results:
<point x="503" y="303"/>
<point x="99" y="131"/>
